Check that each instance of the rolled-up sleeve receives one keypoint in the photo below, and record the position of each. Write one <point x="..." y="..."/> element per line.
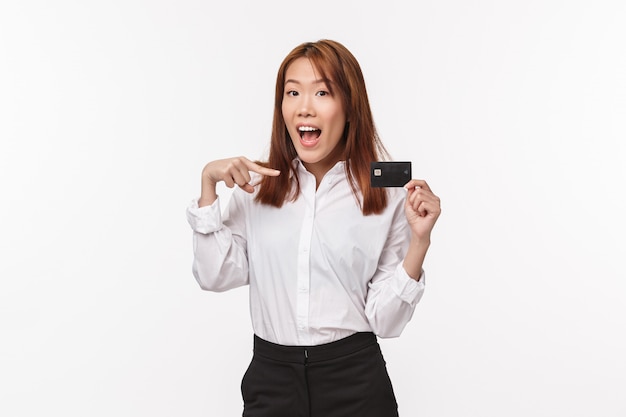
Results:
<point x="207" y="219"/>
<point x="392" y="301"/>
<point x="393" y="295"/>
<point x="220" y="259"/>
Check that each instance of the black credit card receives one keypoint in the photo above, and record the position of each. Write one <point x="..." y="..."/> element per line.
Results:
<point x="390" y="174"/>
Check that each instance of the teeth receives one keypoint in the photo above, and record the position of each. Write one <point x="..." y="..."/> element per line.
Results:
<point x="306" y="129"/>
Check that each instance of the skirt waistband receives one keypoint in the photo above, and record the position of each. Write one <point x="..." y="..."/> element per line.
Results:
<point x="318" y="353"/>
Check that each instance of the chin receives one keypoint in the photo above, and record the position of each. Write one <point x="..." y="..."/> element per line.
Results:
<point x="310" y="158"/>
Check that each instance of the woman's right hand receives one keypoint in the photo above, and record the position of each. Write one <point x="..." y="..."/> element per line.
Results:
<point x="232" y="171"/>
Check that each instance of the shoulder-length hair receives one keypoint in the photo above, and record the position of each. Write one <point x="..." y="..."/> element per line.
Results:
<point x="361" y="142"/>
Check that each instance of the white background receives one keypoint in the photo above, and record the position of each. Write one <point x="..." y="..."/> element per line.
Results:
<point x="514" y="111"/>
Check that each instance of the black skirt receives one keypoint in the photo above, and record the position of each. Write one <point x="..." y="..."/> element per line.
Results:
<point x="345" y="378"/>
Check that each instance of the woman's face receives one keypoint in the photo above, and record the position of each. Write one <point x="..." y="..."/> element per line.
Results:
<point x="315" y="119"/>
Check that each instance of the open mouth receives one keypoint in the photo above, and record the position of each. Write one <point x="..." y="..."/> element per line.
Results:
<point x="309" y="134"/>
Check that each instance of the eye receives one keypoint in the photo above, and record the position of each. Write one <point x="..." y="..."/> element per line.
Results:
<point x="291" y="93"/>
<point x="322" y="93"/>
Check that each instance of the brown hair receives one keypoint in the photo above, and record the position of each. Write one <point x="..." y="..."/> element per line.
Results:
<point x="360" y="140"/>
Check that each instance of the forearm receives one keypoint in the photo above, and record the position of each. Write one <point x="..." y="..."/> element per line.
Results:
<point x="208" y="193"/>
<point x="415" y="255"/>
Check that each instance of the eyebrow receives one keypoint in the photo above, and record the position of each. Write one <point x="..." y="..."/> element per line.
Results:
<point x="298" y="82"/>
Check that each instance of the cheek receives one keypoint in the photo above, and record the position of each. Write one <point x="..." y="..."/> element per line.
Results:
<point x="285" y="108"/>
<point x="339" y="123"/>
<point x="338" y="116"/>
<point x="285" y="116"/>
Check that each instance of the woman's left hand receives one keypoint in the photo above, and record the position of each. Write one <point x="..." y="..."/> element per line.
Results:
<point x="422" y="208"/>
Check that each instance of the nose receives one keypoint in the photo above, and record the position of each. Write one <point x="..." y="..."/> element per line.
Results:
<point x="306" y="107"/>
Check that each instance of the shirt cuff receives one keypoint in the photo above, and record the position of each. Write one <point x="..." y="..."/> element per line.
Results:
<point x="408" y="289"/>
<point x="205" y="220"/>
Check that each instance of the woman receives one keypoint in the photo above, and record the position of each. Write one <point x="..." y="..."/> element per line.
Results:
<point x="332" y="263"/>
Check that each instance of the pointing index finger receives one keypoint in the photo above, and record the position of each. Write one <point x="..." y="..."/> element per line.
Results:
<point x="254" y="167"/>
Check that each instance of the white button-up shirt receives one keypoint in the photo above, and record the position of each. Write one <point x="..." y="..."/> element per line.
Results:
<point x="318" y="269"/>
